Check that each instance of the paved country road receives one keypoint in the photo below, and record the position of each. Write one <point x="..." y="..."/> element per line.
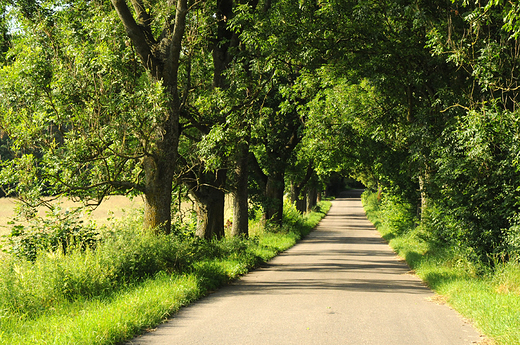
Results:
<point x="340" y="285"/>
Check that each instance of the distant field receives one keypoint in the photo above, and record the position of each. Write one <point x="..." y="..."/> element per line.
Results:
<point x="113" y="207"/>
<point x="110" y="207"/>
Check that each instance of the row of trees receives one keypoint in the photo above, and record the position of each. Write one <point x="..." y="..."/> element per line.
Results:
<point x="261" y="97"/>
<point x="148" y="98"/>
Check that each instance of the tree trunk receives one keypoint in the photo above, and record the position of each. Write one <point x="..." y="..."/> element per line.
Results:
<point x="240" y="194"/>
<point x="299" y="203"/>
<point x="296" y="190"/>
<point x="423" y="203"/>
<point x="294" y="193"/>
<point x="274" y="193"/>
<point x="312" y="197"/>
<point x="157" y="201"/>
<point x="159" y="171"/>
<point x="210" y="215"/>
<point x="210" y="198"/>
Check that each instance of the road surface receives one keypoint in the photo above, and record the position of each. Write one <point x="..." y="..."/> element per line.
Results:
<point x="340" y="285"/>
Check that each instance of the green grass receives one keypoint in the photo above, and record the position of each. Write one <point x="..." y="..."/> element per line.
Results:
<point x="490" y="298"/>
<point x="129" y="283"/>
<point x="106" y="320"/>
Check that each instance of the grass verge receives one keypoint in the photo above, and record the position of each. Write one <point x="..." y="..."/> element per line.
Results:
<point x="109" y="294"/>
<point x="490" y="298"/>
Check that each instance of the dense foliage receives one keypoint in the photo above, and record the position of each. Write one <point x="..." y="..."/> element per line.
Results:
<point x="428" y="115"/>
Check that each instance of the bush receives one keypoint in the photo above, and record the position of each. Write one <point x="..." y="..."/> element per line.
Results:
<point x="58" y="231"/>
<point x="392" y="215"/>
<point x="511" y="244"/>
<point x="399" y="216"/>
<point x="474" y="188"/>
<point x="123" y="256"/>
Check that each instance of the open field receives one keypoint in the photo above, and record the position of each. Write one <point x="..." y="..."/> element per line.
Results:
<point x="113" y="207"/>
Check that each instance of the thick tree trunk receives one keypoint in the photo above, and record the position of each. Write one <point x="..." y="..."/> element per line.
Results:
<point x="158" y="188"/>
<point x="274" y="193"/>
<point x="210" y="215"/>
<point x="300" y="203"/>
<point x="159" y="171"/>
<point x="157" y="210"/>
<point x="312" y="197"/>
<point x="227" y="39"/>
<point x="210" y="198"/>
<point x="240" y="194"/>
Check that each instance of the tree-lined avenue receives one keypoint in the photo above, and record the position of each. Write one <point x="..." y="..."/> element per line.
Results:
<point x="340" y="285"/>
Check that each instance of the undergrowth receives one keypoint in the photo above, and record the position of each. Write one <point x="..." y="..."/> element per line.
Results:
<point x="487" y="294"/>
<point x="129" y="281"/>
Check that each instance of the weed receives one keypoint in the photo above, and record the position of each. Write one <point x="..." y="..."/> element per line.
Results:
<point x="506" y="277"/>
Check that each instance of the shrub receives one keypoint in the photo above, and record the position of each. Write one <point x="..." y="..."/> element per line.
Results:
<point x="474" y="183"/>
<point x="398" y="214"/>
<point x="511" y="243"/>
<point x="58" y="231"/>
<point x="123" y="256"/>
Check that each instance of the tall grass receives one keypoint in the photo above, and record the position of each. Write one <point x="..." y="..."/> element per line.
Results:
<point x="129" y="282"/>
<point x="488" y="296"/>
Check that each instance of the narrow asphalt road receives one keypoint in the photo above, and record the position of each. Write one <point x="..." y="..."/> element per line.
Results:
<point x="341" y="285"/>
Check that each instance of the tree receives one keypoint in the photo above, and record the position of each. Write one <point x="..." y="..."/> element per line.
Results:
<point x="4" y="31"/>
<point x="475" y="191"/>
<point x="161" y="58"/>
<point x="214" y="128"/>
<point x="277" y="129"/>
<point x="87" y="117"/>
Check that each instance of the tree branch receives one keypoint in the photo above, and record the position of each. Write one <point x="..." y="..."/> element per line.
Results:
<point x="118" y="184"/>
<point x="138" y="37"/>
<point x="144" y="20"/>
<point x="173" y="60"/>
<point x="255" y="167"/>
